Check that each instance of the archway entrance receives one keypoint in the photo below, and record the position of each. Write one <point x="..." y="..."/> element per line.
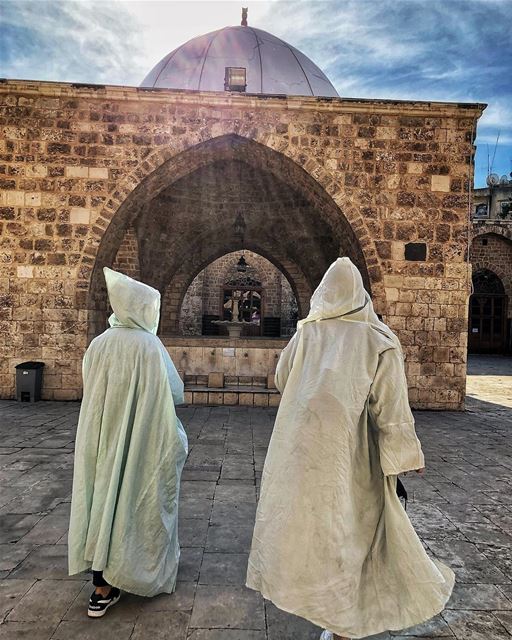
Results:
<point x="224" y="195"/>
<point x="488" y="313"/>
<point x="242" y="286"/>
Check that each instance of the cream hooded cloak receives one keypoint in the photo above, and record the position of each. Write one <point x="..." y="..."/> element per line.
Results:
<point x="332" y="542"/>
<point x="130" y="450"/>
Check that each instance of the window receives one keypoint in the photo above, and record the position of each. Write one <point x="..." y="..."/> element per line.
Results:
<point x="416" y="251"/>
<point x="235" y="79"/>
<point x="506" y="209"/>
<point x="481" y="211"/>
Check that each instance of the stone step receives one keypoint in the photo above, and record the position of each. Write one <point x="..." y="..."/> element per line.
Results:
<point x="241" y="395"/>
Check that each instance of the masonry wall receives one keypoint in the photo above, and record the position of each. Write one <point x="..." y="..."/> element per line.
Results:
<point x="127" y="257"/>
<point x="71" y="157"/>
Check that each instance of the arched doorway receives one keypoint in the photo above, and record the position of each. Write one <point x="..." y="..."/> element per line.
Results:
<point x="264" y="297"/>
<point x="221" y="196"/>
<point x="488" y="313"/>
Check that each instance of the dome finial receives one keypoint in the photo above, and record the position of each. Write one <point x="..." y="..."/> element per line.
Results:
<point x="244" y="16"/>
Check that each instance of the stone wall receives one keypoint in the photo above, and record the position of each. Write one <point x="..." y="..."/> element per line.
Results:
<point x="127" y="257"/>
<point x="81" y="164"/>
<point x="192" y="308"/>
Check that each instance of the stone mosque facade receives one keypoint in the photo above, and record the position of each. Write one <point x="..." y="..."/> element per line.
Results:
<point x="235" y="146"/>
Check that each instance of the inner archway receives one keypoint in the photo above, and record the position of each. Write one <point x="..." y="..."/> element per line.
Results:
<point x="264" y="297"/>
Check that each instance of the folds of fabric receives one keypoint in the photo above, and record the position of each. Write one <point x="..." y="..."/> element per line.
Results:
<point x="130" y="451"/>
<point x="332" y="543"/>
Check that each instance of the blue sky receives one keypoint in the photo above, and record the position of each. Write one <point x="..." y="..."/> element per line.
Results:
<point x="453" y="50"/>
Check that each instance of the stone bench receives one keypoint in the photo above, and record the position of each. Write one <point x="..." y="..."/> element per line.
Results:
<point x="218" y="389"/>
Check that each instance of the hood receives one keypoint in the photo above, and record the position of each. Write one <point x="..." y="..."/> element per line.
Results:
<point x="136" y="305"/>
<point x="341" y="293"/>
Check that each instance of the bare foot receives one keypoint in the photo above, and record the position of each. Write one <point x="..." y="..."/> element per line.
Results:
<point x="103" y="591"/>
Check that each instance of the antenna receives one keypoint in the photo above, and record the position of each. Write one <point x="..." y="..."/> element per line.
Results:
<point x="494" y="154"/>
<point x="244" y="16"/>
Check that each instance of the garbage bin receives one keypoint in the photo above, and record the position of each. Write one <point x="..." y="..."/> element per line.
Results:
<point x="29" y="379"/>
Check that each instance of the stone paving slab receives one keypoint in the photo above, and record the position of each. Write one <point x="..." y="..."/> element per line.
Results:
<point x="461" y="508"/>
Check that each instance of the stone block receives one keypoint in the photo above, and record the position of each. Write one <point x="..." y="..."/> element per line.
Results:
<point x="284" y="626"/>
<point x="225" y="607"/>
<point x="27" y="630"/>
<point x="274" y="400"/>
<point x="440" y="183"/>
<point x="224" y="569"/>
<point x="25" y="271"/>
<point x="271" y="381"/>
<point x="36" y="171"/>
<point x="34" y="605"/>
<point x="261" y="399"/>
<point x="392" y="294"/>
<point x="414" y="168"/>
<point x="79" y="215"/>
<point x="200" y="397"/>
<point x="215" y="398"/>
<point x="216" y="380"/>
<point x="76" y="172"/>
<point x="246" y="399"/>
<point x="15" y="198"/>
<point x="397" y="250"/>
<point x="230" y="398"/>
<point x="33" y="199"/>
<point x="98" y="173"/>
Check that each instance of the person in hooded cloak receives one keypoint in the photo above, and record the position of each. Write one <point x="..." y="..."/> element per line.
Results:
<point x="130" y="452"/>
<point x="332" y="542"/>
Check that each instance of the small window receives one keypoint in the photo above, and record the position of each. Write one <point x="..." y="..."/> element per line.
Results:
<point x="481" y="211"/>
<point x="506" y="209"/>
<point x="235" y="79"/>
<point x="416" y="251"/>
<point x="485" y="241"/>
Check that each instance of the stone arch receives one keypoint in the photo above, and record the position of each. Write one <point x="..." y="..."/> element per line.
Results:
<point x="482" y="229"/>
<point x="488" y="266"/>
<point x="179" y="285"/>
<point x="164" y="167"/>
<point x="487" y="259"/>
<point x="505" y="278"/>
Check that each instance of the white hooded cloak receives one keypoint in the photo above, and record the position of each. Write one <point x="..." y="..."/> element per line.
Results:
<point x="130" y="450"/>
<point x="332" y="542"/>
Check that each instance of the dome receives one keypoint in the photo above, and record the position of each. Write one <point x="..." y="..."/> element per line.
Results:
<point x="272" y="66"/>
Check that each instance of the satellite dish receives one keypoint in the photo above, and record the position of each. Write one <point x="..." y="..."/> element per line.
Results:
<point x="493" y="179"/>
<point x="503" y="180"/>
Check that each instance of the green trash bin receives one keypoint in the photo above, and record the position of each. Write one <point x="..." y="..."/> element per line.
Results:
<point x="29" y="380"/>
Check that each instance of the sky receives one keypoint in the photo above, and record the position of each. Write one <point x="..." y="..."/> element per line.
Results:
<point x="446" y="50"/>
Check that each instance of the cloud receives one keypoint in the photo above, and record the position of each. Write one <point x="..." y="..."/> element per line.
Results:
<point x="68" y="41"/>
<point x="456" y="50"/>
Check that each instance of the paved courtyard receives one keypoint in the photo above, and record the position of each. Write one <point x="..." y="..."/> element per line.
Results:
<point x="462" y="509"/>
